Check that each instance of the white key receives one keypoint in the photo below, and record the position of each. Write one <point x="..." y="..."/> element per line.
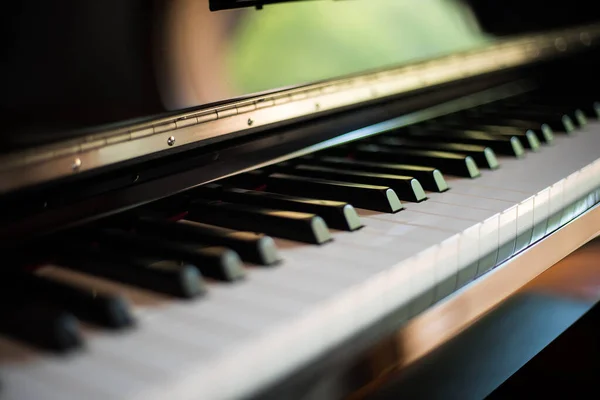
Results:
<point x="541" y="210"/>
<point x="555" y="206"/>
<point x="489" y="243"/>
<point x="447" y="267"/>
<point x="468" y="255"/>
<point x="524" y="224"/>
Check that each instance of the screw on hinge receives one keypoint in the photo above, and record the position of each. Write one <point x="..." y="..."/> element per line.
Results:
<point x="560" y="44"/>
<point x="585" y="38"/>
<point x="76" y="164"/>
<point x="250" y="122"/>
<point x="171" y="140"/>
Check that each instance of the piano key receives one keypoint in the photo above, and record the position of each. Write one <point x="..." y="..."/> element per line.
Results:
<point x="448" y="163"/>
<point x="543" y="134"/>
<point x="293" y="225"/>
<point x="543" y="131"/>
<point x="39" y="324"/>
<point x="407" y="188"/>
<point x="371" y="197"/>
<point x="251" y="247"/>
<point x="171" y="277"/>
<point x="507" y="145"/>
<point x="430" y="178"/>
<point x="484" y="156"/>
<point x="337" y="214"/>
<point x="557" y="121"/>
<point x="527" y="137"/>
<point x="574" y="113"/>
<point x="214" y="262"/>
<point x="86" y="303"/>
<point x="574" y="100"/>
<point x="590" y="106"/>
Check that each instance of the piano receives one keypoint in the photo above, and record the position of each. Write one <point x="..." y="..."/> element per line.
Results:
<point x="173" y="229"/>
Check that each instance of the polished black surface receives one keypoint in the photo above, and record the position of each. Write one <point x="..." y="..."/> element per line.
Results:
<point x="430" y="178"/>
<point x="251" y="246"/>
<point x="407" y="188"/>
<point x="484" y="156"/>
<point x="370" y="197"/>
<point x="40" y="325"/>
<point x="303" y="227"/>
<point x="171" y="277"/>
<point x="104" y="309"/>
<point x="448" y="162"/>
<point x="337" y="214"/>
<point x="212" y="261"/>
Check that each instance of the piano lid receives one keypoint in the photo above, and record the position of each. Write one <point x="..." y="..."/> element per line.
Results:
<point x="73" y="67"/>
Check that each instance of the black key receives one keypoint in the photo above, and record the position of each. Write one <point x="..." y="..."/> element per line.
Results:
<point x="448" y="163"/>
<point x="215" y="262"/>
<point x="407" y="188"/>
<point x="87" y="304"/>
<point x="301" y="227"/>
<point x="526" y="136"/>
<point x="589" y="105"/>
<point x="165" y="276"/>
<point x="252" y="247"/>
<point x="370" y="197"/>
<point x="543" y="132"/>
<point x="40" y="325"/>
<point x="557" y="121"/>
<point x="484" y="156"/>
<point x="572" y="112"/>
<point x="510" y="145"/>
<point x="431" y="178"/>
<point x="591" y="109"/>
<point x="337" y="214"/>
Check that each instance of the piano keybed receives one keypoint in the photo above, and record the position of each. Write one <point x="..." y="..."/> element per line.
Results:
<point x="223" y="289"/>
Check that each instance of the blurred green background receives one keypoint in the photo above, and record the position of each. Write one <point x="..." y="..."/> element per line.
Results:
<point x="303" y="42"/>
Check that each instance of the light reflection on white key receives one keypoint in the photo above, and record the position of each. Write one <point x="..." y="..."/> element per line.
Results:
<point x="541" y="204"/>
<point x="19" y="383"/>
<point x="445" y="210"/>
<point x="470" y="201"/>
<point x="414" y="217"/>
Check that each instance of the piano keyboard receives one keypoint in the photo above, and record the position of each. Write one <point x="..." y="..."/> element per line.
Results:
<point x="220" y="291"/>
